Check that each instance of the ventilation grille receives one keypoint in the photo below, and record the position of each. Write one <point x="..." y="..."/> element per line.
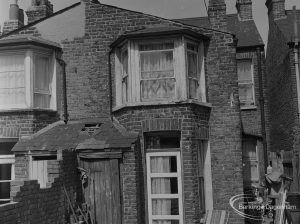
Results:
<point x="90" y="129"/>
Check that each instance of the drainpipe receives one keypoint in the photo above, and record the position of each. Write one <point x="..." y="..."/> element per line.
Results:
<point x="110" y="84"/>
<point x="262" y="108"/>
<point x="63" y="64"/>
<point x="296" y="56"/>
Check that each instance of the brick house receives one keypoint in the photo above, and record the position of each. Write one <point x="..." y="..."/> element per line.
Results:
<point x="159" y="115"/>
<point x="282" y="65"/>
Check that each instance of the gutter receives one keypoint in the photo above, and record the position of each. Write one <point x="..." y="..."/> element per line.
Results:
<point x="262" y="108"/>
<point x="110" y="84"/>
<point x="296" y="58"/>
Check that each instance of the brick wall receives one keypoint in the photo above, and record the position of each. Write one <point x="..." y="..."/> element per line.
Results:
<point x="26" y="122"/>
<point x="282" y="90"/>
<point x="34" y="205"/>
<point x="244" y="8"/>
<point x="276" y="8"/>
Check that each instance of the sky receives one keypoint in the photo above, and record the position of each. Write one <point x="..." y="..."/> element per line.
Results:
<point x="164" y="8"/>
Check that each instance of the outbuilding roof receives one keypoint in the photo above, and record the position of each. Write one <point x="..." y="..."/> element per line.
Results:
<point x="95" y="134"/>
<point x="245" y="31"/>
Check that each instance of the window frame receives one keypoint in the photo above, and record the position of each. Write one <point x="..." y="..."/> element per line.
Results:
<point x="178" y="196"/>
<point x="248" y="82"/>
<point x="180" y="70"/>
<point x="8" y="159"/>
<point x="29" y="72"/>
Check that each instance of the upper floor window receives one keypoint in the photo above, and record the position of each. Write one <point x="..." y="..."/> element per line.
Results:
<point x="27" y="80"/>
<point x="246" y="83"/>
<point x="165" y="70"/>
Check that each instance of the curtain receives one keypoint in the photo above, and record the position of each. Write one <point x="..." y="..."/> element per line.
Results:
<point x="162" y="186"/>
<point x="193" y="74"/>
<point x="12" y="80"/>
<point x="157" y="71"/>
<point x="42" y="88"/>
<point x="245" y="82"/>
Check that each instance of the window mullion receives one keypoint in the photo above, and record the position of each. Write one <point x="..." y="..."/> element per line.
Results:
<point x="29" y="78"/>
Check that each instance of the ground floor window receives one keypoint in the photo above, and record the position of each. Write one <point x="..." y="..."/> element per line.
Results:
<point x="7" y="168"/>
<point x="164" y="188"/>
<point x="39" y="168"/>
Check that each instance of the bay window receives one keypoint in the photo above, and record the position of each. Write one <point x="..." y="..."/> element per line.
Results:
<point x="160" y="70"/>
<point x="27" y="79"/>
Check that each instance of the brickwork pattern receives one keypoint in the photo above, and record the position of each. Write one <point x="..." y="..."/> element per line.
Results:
<point x="34" y="205"/>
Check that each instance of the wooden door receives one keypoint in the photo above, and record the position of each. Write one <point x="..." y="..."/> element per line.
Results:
<point x="102" y="193"/>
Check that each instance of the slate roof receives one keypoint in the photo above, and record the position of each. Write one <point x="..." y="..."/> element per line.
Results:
<point x="158" y="31"/>
<point x="60" y="136"/>
<point x="287" y="25"/>
<point x="21" y="40"/>
<point x="245" y="31"/>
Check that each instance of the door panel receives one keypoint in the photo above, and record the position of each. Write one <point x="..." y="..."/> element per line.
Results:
<point x="102" y="192"/>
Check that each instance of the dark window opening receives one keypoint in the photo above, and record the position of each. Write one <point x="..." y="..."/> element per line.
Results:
<point x="162" y="140"/>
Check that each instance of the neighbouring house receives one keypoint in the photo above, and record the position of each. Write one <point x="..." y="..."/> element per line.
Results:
<point x="145" y="119"/>
<point x="282" y="69"/>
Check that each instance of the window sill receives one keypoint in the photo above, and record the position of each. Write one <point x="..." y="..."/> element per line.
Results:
<point x="162" y="103"/>
<point x="249" y="108"/>
<point x="27" y="110"/>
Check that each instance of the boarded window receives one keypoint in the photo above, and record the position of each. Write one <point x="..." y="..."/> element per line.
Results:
<point x="246" y="85"/>
<point x="39" y="169"/>
<point x="157" y="71"/>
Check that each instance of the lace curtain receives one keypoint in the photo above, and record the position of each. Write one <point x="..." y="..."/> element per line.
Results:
<point x="163" y="186"/>
<point x="12" y="80"/>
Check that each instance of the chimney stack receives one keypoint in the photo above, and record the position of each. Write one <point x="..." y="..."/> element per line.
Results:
<point x="217" y="14"/>
<point x="244" y="9"/>
<point x="276" y="9"/>
<point x="16" y="18"/>
<point x="39" y="9"/>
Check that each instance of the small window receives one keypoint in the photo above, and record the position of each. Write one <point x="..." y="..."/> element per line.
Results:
<point x="7" y="168"/>
<point x="202" y="150"/>
<point x="164" y="187"/>
<point x="39" y="168"/>
<point x="250" y="161"/>
<point x="125" y="87"/>
<point x="193" y="70"/>
<point x="246" y="83"/>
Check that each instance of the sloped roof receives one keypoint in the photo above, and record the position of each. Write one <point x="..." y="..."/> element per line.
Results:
<point x="245" y="31"/>
<point x="60" y="136"/>
<point x="158" y="31"/>
<point x="286" y="25"/>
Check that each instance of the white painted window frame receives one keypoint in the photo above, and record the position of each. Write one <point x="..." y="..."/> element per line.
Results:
<point x="29" y="76"/>
<point x="178" y="196"/>
<point x="8" y="159"/>
<point x="248" y="83"/>
<point x="180" y="71"/>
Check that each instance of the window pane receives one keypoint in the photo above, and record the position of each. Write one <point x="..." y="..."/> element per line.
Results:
<point x="244" y="70"/>
<point x="5" y="148"/>
<point x="151" y="47"/>
<point x="192" y="64"/>
<point x="158" y="89"/>
<point x="165" y="222"/>
<point x="41" y="100"/>
<point x="164" y="185"/>
<point x="12" y="80"/>
<point x="192" y="47"/>
<point x="246" y="94"/>
<point x="162" y="140"/>
<point x="5" y="190"/>
<point x="157" y="61"/>
<point x="5" y="171"/>
<point x="163" y="164"/>
<point x="193" y="87"/>
<point x="165" y="207"/>
<point x="41" y="74"/>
